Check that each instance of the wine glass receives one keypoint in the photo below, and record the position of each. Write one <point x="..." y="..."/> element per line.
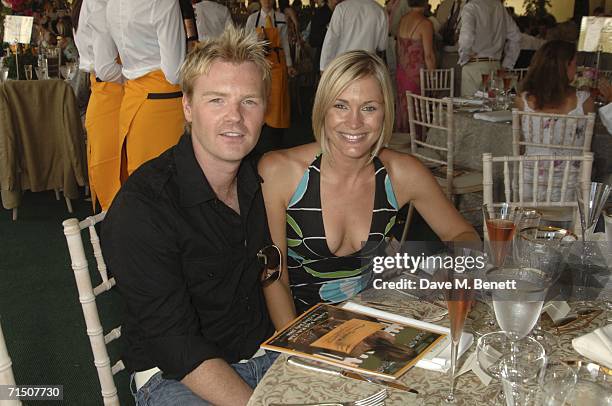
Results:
<point x="28" y="71"/>
<point x="518" y="303"/>
<point x="495" y="351"/>
<point x="591" y="198"/>
<point x="500" y="222"/>
<point x="546" y="258"/>
<point x="485" y="77"/>
<point x="459" y="296"/>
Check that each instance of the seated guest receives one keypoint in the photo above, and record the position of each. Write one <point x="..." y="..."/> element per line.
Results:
<point x="183" y="234"/>
<point x="324" y="199"/>
<point x="547" y="89"/>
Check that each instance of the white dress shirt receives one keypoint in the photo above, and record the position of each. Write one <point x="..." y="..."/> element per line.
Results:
<point x="104" y="49"/>
<point x="211" y="19"/>
<point x="605" y="113"/>
<point x="83" y="38"/>
<point x="355" y="24"/>
<point x="486" y="30"/>
<point x="149" y="35"/>
<point x="281" y="24"/>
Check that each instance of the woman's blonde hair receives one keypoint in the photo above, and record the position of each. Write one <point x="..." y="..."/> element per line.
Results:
<point x="338" y="75"/>
<point x="235" y="45"/>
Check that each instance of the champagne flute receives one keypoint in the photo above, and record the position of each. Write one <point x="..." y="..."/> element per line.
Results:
<point x="501" y="222"/>
<point x="459" y="295"/>
<point x="591" y="198"/>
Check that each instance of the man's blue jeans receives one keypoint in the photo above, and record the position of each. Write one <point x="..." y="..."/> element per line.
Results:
<point x="163" y="392"/>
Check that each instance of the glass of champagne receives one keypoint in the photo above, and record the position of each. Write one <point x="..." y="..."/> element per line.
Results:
<point x="459" y="294"/>
<point x="28" y="71"/>
<point x="501" y="222"/>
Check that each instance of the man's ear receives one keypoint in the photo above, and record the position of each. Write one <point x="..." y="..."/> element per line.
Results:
<point x="186" y="108"/>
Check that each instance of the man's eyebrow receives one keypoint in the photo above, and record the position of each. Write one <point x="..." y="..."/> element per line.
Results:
<point x="215" y="93"/>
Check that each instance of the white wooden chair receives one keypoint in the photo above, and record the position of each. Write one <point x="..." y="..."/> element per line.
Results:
<point x="520" y="74"/>
<point x="6" y="371"/>
<point x="87" y="297"/>
<point x="437" y="82"/>
<point x="605" y="74"/>
<point x="571" y="134"/>
<point x="428" y="112"/>
<point x="520" y="193"/>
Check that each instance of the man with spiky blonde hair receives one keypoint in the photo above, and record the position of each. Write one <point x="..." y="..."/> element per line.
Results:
<point x="184" y="235"/>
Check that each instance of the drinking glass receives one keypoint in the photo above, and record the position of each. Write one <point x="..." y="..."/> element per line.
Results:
<point x="591" y="198"/>
<point x="501" y="222"/>
<point x="517" y="310"/>
<point x="553" y="384"/>
<point x="495" y="351"/>
<point x="28" y="71"/>
<point x="459" y="299"/>
<point x="485" y="84"/>
<point x="594" y="386"/>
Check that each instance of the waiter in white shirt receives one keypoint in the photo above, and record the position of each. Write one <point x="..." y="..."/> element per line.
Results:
<point x="211" y="19"/>
<point x="93" y="41"/>
<point x="271" y="25"/>
<point x="150" y="38"/>
<point x="355" y="24"/>
<point x="486" y="31"/>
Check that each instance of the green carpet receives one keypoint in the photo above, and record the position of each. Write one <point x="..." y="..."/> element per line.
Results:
<point x="41" y="316"/>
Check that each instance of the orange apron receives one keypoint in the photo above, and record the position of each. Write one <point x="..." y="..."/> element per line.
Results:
<point x="151" y="119"/>
<point x="102" y="124"/>
<point x="278" y="109"/>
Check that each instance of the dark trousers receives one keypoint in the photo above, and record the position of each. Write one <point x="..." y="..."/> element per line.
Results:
<point x="270" y="139"/>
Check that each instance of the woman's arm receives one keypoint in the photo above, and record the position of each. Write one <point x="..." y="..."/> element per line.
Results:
<point x="272" y="168"/>
<point x="413" y="182"/>
<point x="428" y="46"/>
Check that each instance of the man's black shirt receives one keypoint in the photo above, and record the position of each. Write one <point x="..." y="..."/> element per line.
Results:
<point x="186" y="265"/>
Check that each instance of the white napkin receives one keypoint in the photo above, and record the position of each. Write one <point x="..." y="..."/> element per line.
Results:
<point x="466" y="101"/>
<point x="596" y="345"/>
<point x="494" y="116"/>
<point x="438" y="358"/>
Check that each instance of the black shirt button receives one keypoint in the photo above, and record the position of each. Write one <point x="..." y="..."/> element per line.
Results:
<point x="211" y="275"/>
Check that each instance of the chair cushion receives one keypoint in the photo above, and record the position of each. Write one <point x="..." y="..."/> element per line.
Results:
<point x="468" y="182"/>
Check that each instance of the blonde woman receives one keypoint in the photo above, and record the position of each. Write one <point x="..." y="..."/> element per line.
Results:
<point x="324" y="199"/>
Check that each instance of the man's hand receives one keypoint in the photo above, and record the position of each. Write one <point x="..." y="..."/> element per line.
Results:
<point x="605" y="89"/>
<point x="291" y="71"/>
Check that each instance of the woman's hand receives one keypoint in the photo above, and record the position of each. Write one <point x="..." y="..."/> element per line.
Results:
<point x="605" y="89"/>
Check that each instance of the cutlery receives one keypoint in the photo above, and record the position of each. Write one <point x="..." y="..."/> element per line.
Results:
<point x="327" y="369"/>
<point x="376" y="399"/>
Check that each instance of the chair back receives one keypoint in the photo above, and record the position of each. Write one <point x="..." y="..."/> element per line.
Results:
<point x="6" y="370"/>
<point x="528" y="180"/>
<point x="520" y="74"/>
<point x="437" y="82"/>
<point x="605" y="74"/>
<point x="428" y="112"/>
<point x="87" y="297"/>
<point x="548" y="133"/>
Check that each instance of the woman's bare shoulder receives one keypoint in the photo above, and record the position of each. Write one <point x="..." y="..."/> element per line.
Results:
<point x="401" y="165"/>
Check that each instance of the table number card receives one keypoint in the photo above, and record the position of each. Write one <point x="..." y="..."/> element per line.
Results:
<point x="18" y="29"/>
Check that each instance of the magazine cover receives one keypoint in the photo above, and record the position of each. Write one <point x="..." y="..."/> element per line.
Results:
<point x="354" y="341"/>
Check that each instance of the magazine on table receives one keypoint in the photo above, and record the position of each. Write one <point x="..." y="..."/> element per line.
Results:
<point x="354" y="341"/>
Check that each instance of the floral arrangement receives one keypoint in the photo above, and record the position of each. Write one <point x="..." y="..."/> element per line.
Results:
<point x="18" y="6"/>
<point x="586" y="78"/>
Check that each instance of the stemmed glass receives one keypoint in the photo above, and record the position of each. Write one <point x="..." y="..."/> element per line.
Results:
<point x="509" y="361"/>
<point x="545" y="258"/>
<point x="591" y="198"/>
<point x="459" y="299"/>
<point x="485" y="84"/>
<point x="501" y="223"/>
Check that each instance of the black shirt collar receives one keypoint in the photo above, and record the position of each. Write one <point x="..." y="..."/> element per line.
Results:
<point x="193" y="185"/>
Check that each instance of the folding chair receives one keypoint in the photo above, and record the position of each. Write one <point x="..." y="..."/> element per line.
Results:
<point x="87" y="297"/>
<point x="542" y="183"/>
<point x="437" y="82"/>
<point x="6" y="371"/>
